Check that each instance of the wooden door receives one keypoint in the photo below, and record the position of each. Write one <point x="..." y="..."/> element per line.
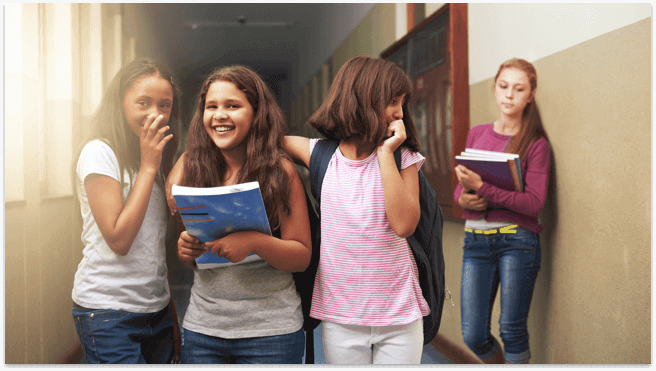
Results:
<point x="434" y="55"/>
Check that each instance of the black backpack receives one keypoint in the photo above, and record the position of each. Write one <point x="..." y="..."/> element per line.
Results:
<point x="304" y="282"/>
<point x="425" y="243"/>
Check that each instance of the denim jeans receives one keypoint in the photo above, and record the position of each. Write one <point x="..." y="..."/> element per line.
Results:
<point x="204" y="349"/>
<point x="511" y="261"/>
<point x="115" y="336"/>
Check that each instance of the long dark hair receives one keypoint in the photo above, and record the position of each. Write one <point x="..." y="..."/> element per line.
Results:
<point x="532" y="128"/>
<point x="204" y="164"/>
<point x="356" y="102"/>
<point x="110" y="125"/>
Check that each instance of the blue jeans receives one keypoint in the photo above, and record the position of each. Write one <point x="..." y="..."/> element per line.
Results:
<point x="115" y="336"/>
<point x="511" y="261"/>
<point x="204" y="349"/>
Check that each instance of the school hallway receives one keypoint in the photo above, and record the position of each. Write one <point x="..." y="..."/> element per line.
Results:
<point x="594" y="63"/>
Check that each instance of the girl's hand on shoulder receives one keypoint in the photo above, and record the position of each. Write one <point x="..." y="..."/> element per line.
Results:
<point x="235" y="246"/>
<point x="152" y="141"/>
<point x="396" y="136"/>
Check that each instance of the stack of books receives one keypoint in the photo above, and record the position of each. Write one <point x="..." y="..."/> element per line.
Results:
<point x="496" y="168"/>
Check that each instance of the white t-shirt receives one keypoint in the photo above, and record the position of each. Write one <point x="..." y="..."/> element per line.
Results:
<point x="105" y="280"/>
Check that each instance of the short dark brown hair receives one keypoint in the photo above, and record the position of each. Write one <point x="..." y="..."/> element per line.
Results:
<point x="356" y="102"/>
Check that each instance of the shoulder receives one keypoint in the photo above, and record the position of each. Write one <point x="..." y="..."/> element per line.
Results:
<point x="97" y="157"/>
<point x="539" y="154"/>
<point x="97" y="146"/>
<point x="288" y="166"/>
<point x="313" y="142"/>
<point x="409" y="157"/>
<point x="481" y="129"/>
<point x="540" y="146"/>
<point x="97" y="151"/>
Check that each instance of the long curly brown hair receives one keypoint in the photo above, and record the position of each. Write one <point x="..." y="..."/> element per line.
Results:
<point x="204" y="164"/>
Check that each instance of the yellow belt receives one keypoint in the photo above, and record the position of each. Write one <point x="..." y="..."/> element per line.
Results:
<point x="507" y="230"/>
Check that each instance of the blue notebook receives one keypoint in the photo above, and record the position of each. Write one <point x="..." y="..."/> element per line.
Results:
<point x="211" y="213"/>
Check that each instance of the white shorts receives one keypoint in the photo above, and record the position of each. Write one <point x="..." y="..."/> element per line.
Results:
<point x="353" y="344"/>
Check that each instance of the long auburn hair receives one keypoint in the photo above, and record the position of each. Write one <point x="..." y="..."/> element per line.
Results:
<point x="532" y="128"/>
<point x="356" y="102"/>
<point x="204" y="164"/>
<point x="110" y="124"/>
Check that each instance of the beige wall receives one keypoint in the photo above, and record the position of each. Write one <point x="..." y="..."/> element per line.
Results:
<point x="370" y="37"/>
<point x="592" y="301"/>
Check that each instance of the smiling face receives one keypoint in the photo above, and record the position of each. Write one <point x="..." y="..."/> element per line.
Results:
<point x="513" y="92"/>
<point x="227" y="116"/>
<point x="148" y="95"/>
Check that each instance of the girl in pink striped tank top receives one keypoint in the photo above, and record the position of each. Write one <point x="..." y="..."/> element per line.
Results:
<point x="367" y="291"/>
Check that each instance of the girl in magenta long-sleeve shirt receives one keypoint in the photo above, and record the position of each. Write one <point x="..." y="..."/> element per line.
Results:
<point x="501" y="245"/>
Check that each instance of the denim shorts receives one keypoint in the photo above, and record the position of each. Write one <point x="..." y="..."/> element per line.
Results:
<point x="115" y="336"/>
<point x="507" y="261"/>
<point x="279" y="349"/>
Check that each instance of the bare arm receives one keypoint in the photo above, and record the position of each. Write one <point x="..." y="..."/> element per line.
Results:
<point x="401" y="189"/>
<point x="401" y="196"/>
<point x="298" y="148"/>
<point x="117" y="223"/>
<point x="175" y="177"/>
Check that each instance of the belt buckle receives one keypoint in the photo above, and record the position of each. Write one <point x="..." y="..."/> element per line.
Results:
<point x="509" y="229"/>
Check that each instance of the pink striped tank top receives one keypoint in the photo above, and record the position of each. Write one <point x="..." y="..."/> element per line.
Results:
<point x="367" y="275"/>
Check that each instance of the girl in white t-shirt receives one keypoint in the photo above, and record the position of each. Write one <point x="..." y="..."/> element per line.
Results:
<point x="367" y="291"/>
<point x="120" y="294"/>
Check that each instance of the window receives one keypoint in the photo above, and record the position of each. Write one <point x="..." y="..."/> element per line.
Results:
<point x="54" y="83"/>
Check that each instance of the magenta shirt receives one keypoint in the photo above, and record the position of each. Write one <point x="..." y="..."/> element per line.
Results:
<point x="367" y="275"/>
<point x="520" y="208"/>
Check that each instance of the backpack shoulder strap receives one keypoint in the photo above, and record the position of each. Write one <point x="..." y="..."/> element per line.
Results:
<point x="397" y="158"/>
<point x="319" y="160"/>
